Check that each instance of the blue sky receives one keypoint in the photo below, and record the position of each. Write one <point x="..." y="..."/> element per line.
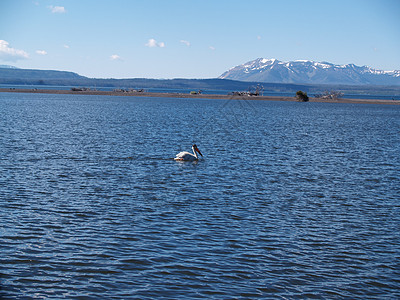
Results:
<point x="194" y="39"/>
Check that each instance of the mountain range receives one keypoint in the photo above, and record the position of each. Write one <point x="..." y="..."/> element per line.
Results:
<point x="310" y="72"/>
<point x="11" y="76"/>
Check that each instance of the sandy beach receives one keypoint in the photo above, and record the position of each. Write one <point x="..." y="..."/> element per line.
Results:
<point x="193" y="96"/>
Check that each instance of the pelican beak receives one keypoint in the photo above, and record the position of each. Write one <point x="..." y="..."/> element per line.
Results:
<point x="198" y="151"/>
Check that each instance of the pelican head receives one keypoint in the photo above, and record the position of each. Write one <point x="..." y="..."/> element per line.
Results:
<point x="196" y="149"/>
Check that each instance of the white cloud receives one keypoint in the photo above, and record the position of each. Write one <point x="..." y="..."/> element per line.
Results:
<point x="212" y="48"/>
<point x="41" y="52"/>
<point x="66" y="46"/>
<point x="115" y="57"/>
<point x="187" y="43"/>
<point x="57" y="9"/>
<point x="10" y="54"/>
<point x="153" y="43"/>
<point x="258" y="37"/>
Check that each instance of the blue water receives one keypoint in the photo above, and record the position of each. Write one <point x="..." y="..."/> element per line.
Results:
<point x="292" y="200"/>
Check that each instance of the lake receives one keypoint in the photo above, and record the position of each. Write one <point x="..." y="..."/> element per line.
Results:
<point x="292" y="200"/>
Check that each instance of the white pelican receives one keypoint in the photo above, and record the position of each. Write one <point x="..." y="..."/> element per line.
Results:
<point x="186" y="156"/>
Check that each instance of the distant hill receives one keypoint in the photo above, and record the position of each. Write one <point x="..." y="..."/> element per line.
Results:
<point x="310" y="72"/>
<point x="27" y="76"/>
<point x="7" y="67"/>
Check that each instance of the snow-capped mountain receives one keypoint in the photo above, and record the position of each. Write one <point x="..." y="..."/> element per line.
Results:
<point x="305" y="71"/>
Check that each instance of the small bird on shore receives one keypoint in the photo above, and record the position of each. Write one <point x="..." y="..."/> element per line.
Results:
<point x="186" y="156"/>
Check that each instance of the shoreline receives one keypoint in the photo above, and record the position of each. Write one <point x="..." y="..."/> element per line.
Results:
<point x="191" y="96"/>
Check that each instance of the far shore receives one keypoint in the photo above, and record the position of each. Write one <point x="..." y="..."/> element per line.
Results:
<point x="192" y="96"/>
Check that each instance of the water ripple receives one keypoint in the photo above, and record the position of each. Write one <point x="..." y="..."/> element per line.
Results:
<point x="291" y="201"/>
